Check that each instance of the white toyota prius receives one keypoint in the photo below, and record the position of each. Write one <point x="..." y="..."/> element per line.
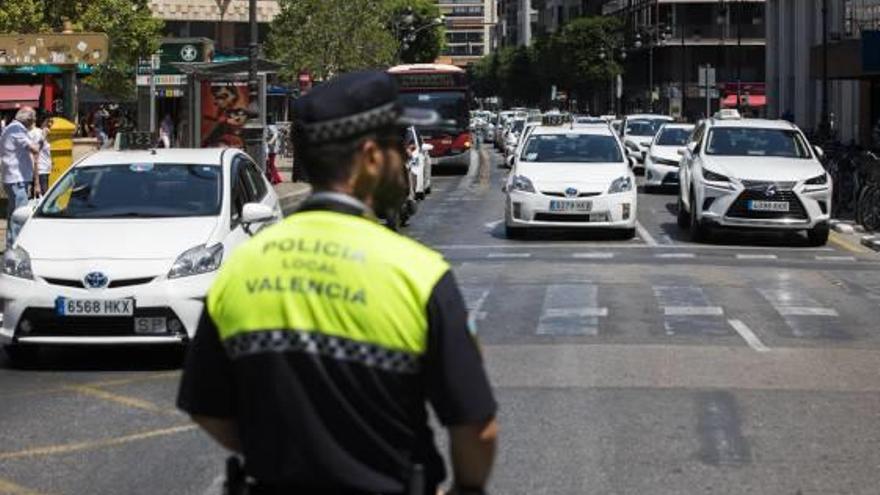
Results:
<point x="124" y="247"/>
<point x="572" y="177"/>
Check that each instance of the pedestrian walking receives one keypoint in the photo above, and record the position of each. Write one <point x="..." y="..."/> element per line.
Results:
<point x="272" y="141"/>
<point x="166" y="131"/>
<point x="40" y="136"/>
<point x="19" y="168"/>
<point x="325" y="335"/>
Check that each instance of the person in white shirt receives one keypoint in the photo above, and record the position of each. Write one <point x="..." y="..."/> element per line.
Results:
<point x="166" y="131"/>
<point x="40" y="136"/>
<point x="18" y="167"/>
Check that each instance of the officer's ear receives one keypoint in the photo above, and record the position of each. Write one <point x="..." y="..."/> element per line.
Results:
<point x="367" y="168"/>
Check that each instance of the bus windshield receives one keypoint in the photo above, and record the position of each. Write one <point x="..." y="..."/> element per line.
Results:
<point x="451" y="105"/>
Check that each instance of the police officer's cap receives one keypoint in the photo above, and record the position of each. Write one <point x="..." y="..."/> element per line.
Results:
<point x="352" y="105"/>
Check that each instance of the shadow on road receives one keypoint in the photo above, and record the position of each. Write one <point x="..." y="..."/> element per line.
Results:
<point x="737" y="236"/>
<point x="128" y="358"/>
<point x="562" y="235"/>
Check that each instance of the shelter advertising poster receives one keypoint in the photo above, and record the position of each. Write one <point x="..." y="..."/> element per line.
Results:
<point x="224" y="113"/>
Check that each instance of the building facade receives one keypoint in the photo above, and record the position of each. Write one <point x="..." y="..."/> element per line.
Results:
<point x="796" y="69"/>
<point x="470" y="29"/>
<point x="517" y="21"/>
<point x="666" y="43"/>
<point x="553" y="14"/>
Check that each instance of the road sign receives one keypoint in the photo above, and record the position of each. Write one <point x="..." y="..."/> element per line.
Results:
<point x="55" y="49"/>
<point x="707" y="76"/>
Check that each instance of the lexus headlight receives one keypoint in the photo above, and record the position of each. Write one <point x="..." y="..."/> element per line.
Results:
<point x="664" y="161"/>
<point x="522" y="183"/>
<point x="714" y="177"/>
<point x="196" y="261"/>
<point x="622" y="184"/>
<point x="17" y="262"/>
<point x="820" y="180"/>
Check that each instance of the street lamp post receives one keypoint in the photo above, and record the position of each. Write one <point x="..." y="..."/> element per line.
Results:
<point x="824" y="127"/>
<point x="616" y="85"/>
<point x="253" y="130"/>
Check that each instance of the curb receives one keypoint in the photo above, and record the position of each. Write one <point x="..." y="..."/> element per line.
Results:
<point x="290" y="202"/>
<point x="871" y="241"/>
<point x="842" y="227"/>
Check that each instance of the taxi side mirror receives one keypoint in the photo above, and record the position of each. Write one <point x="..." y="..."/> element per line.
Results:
<point x="681" y="152"/>
<point x="510" y="160"/>
<point x="21" y="214"/>
<point x="820" y="153"/>
<point x="256" y="213"/>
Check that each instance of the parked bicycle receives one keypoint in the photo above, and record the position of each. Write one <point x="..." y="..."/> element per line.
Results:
<point x="856" y="176"/>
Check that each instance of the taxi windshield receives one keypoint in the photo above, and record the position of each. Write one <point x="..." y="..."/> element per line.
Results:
<point x="641" y="128"/>
<point x="142" y="190"/>
<point x="675" y="136"/>
<point x="571" y="148"/>
<point x="739" y="141"/>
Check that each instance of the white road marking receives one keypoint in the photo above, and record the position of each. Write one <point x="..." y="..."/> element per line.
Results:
<point x="571" y="309"/>
<point x="756" y="256"/>
<point x="687" y="310"/>
<point x="748" y="335"/>
<point x="593" y="256"/>
<point x="643" y="233"/>
<point x="508" y="255"/>
<point x="667" y="239"/>
<point x="799" y="311"/>
<point x="836" y="258"/>
<point x="693" y="311"/>
<point x="675" y="255"/>
<point x="806" y="311"/>
<point x="474" y="299"/>
<point x="491" y="225"/>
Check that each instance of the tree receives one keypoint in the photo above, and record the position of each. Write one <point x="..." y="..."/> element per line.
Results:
<point x="133" y="32"/>
<point x="424" y="39"/>
<point x="327" y="37"/>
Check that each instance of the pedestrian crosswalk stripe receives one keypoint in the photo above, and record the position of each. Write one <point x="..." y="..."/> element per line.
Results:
<point x="509" y="255"/>
<point x="801" y="311"/>
<point x="675" y="255"/>
<point x="693" y="311"/>
<point x="571" y="310"/>
<point x="593" y="256"/>
<point x="756" y="256"/>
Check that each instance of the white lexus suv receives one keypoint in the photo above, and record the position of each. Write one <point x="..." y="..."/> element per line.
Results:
<point x="754" y="174"/>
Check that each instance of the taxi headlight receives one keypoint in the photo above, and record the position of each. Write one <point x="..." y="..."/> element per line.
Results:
<point x="17" y="262"/>
<point x="820" y="180"/>
<point x="196" y="261"/>
<point x="622" y="184"/>
<point x="522" y="183"/>
<point x="711" y="176"/>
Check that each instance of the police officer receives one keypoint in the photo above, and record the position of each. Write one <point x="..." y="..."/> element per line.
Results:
<point x="325" y="336"/>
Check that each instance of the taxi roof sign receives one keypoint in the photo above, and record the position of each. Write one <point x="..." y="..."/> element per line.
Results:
<point x="555" y="119"/>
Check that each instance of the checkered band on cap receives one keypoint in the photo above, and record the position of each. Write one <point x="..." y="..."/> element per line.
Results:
<point x="338" y="348"/>
<point x="351" y="125"/>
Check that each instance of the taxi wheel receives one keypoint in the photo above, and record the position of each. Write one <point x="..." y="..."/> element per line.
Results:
<point x="20" y="356"/>
<point x="818" y="236"/>
<point x="699" y="232"/>
<point x="684" y="221"/>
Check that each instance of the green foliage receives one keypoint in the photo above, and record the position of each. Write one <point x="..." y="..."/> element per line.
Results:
<point x="418" y="44"/>
<point x="21" y="16"/>
<point x="129" y="24"/>
<point x="327" y="37"/>
<point x="568" y="59"/>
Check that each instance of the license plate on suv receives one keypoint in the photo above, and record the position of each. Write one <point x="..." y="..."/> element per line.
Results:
<point x="94" y="307"/>
<point x="782" y="206"/>
<point x="571" y="206"/>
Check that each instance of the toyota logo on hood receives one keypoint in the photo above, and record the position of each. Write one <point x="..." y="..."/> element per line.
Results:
<point x="96" y="280"/>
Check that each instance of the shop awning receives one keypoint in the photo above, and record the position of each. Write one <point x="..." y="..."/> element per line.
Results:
<point x="16" y="96"/>
<point x="729" y="101"/>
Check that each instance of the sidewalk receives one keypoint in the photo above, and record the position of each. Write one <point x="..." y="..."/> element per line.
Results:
<point x="290" y="195"/>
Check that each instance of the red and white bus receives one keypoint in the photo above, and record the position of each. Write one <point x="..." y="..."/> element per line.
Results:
<point x="444" y="89"/>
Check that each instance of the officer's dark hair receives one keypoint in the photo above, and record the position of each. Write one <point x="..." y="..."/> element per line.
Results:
<point x="330" y="163"/>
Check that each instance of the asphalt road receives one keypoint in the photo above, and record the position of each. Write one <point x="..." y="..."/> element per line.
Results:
<point x="747" y="365"/>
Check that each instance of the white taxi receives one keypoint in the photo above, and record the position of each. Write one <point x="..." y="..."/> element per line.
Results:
<point x="123" y="248"/>
<point x="638" y="131"/>
<point x="754" y="174"/>
<point x="661" y="161"/>
<point x="571" y="177"/>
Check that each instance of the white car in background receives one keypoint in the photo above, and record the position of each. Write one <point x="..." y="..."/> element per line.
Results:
<point x="572" y="178"/>
<point x="637" y="133"/>
<point x="419" y="163"/>
<point x="123" y="248"/>
<point x="664" y="155"/>
<point x="511" y="136"/>
<point x="753" y="174"/>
